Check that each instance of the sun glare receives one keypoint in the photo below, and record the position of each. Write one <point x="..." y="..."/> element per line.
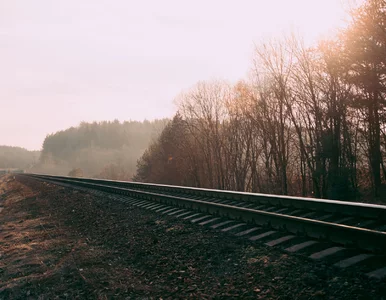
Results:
<point x="313" y="19"/>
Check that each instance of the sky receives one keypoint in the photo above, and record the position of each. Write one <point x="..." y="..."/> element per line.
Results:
<point x="67" y="61"/>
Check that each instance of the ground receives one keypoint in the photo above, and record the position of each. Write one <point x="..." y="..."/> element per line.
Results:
<point x="60" y="243"/>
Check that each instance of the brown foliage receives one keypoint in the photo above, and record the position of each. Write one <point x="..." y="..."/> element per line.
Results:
<point x="310" y="121"/>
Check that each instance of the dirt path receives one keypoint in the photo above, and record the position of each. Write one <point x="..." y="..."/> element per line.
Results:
<point x="59" y="243"/>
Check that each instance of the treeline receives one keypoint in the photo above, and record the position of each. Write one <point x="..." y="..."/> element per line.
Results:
<point x="17" y="157"/>
<point x="308" y="121"/>
<point x="99" y="149"/>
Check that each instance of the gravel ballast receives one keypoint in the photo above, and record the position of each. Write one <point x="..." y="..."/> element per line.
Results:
<point x="57" y="242"/>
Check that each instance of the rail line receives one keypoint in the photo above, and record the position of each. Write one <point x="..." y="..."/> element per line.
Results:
<point x="321" y="228"/>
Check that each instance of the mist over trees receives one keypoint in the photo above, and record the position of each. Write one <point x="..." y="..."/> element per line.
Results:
<point x="17" y="157"/>
<point x="308" y="121"/>
<point x="99" y="149"/>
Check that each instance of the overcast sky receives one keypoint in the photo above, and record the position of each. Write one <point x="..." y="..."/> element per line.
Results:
<point x="63" y="62"/>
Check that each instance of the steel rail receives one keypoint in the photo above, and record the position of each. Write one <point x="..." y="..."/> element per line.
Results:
<point x="367" y="239"/>
<point x="363" y="210"/>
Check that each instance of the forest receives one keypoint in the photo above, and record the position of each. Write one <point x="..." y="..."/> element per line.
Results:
<point x="99" y="149"/>
<point x="17" y="157"/>
<point x="307" y="121"/>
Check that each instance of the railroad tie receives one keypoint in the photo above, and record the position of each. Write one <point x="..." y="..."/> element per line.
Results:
<point x="208" y="221"/>
<point x="183" y="214"/>
<point x="352" y="260"/>
<point x="280" y="240"/>
<point x="326" y="252"/>
<point x="263" y="235"/>
<point x="344" y="220"/>
<point x="200" y="218"/>
<point x="157" y="206"/>
<point x="170" y="210"/>
<point x="191" y="216"/>
<point x="162" y="209"/>
<point x="281" y="210"/>
<point x="154" y="206"/>
<point x="221" y="224"/>
<point x="300" y="246"/>
<point x="233" y="227"/>
<point x="245" y="232"/>
<point x="378" y="274"/>
<point x="176" y="212"/>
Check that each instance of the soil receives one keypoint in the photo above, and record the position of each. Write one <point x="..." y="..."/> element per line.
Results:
<point x="59" y="243"/>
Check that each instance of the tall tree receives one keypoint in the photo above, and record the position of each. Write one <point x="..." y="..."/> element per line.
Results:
<point x="365" y="60"/>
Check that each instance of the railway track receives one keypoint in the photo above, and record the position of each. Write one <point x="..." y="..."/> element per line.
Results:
<point x="347" y="235"/>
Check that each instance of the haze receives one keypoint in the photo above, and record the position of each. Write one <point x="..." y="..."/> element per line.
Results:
<point x="63" y="62"/>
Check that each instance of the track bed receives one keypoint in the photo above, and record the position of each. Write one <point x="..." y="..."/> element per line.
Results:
<point x="59" y="242"/>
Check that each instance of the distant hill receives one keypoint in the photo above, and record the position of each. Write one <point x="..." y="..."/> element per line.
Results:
<point x="17" y="157"/>
<point x="99" y="149"/>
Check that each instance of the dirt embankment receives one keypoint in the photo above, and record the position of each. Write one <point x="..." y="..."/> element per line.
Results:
<point x="60" y="243"/>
